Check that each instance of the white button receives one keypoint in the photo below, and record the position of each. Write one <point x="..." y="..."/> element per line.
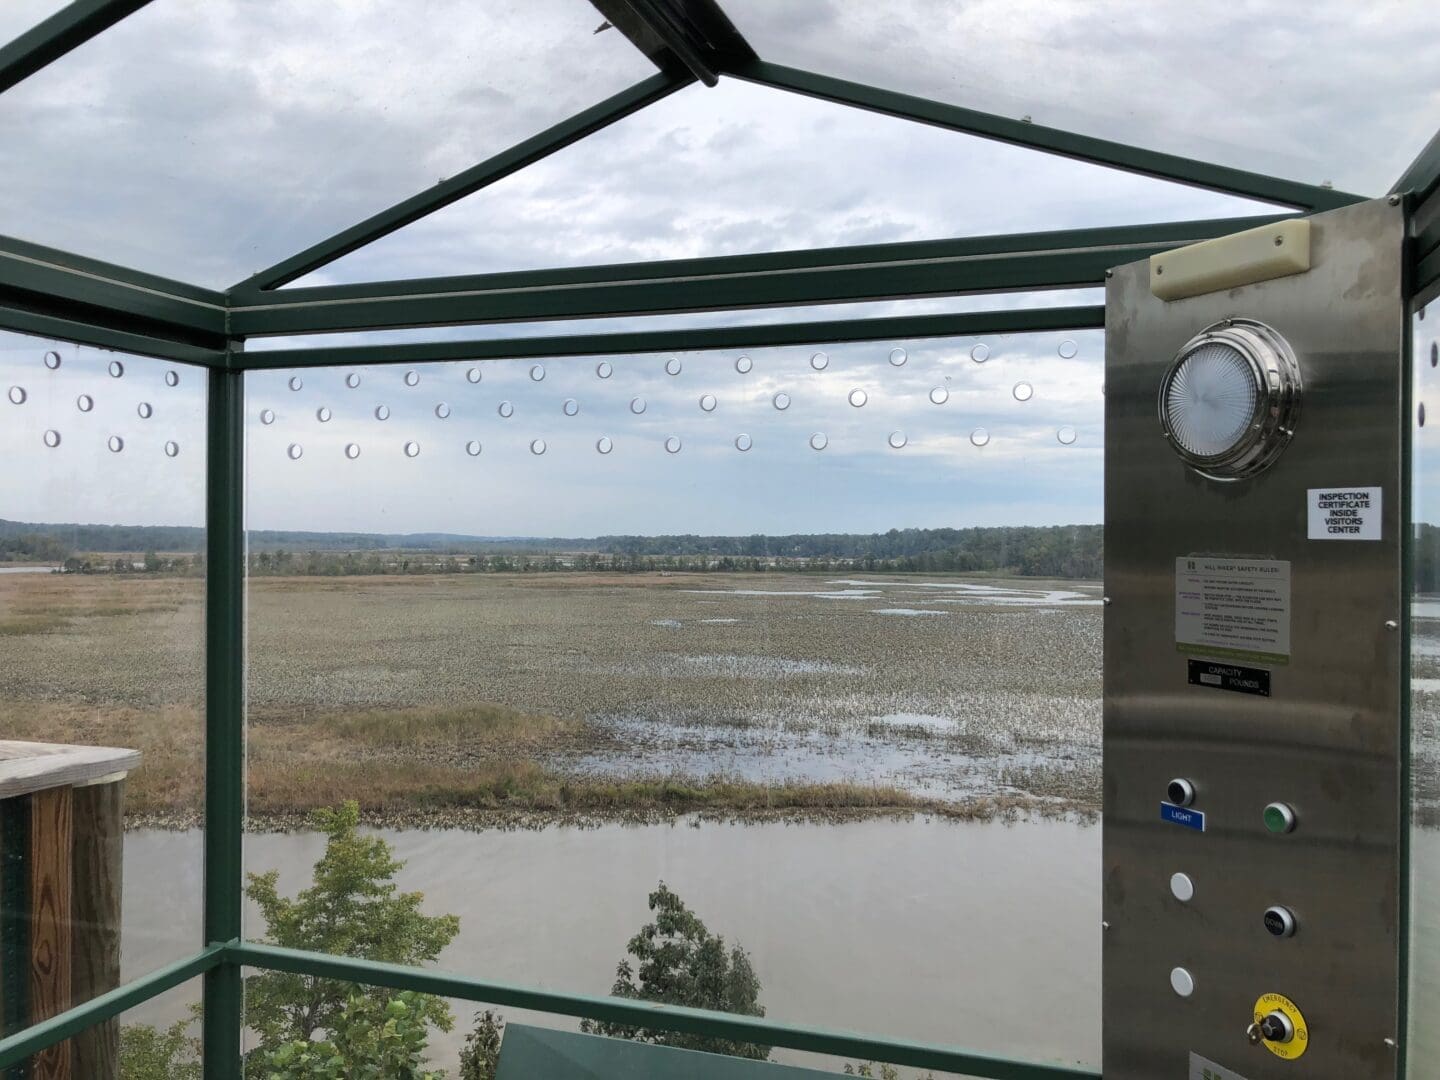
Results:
<point x="1182" y="887"/>
<point x="1182" y="982"/>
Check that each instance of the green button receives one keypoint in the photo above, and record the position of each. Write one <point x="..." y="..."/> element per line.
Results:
<point x="1279" y="818"/>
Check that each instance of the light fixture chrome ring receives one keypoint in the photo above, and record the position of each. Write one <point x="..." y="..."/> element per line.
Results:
<point x="1230" y="399"/>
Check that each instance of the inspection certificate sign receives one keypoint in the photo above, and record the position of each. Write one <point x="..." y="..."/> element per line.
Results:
<point x="1233" y="609"/>
<point x="1344" y="513"/>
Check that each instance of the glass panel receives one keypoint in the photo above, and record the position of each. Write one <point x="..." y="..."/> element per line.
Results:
<point x="1323" y="94"/>
<point x="17" y="16"/>
<point x="158" y="1039"/>
<point x="835" y="610"/>
<point x="1424" y="958"/>
<point x="206" y="141"/>
<point x="742" y="168"/>
<point x="102" y="692"/>
<point x="464" y="1039"/>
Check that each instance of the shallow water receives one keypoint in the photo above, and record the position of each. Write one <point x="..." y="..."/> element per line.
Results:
<point x="925" y="930"/>
<point x="923" y="754"/>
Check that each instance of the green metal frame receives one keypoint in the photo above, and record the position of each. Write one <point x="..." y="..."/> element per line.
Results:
<point x="67" y="29"/>
<point x="58" y="295"/>
<point x="1075" y="258"/>
<point x="960" y="324"/>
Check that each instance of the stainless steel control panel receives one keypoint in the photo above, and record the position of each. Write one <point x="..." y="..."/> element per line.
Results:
<point x="1253" y="663"/>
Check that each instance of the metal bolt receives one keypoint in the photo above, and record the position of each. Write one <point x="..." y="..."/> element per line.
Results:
<point x="1279" y="240"/>
<point x="1390" y="1042"/>
<point x="1393" y="200"/>
<point x="1106" y="926"/>
<point x="1391" y="624"/>
<point x="1105" y="600"/>
<point x="1109" y="273"/>
<point x="1159" y="269"/>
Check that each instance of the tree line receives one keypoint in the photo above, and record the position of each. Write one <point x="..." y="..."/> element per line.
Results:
<point x="1059" y="551"/>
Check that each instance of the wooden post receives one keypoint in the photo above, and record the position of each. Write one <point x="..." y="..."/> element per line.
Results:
<point x="95" y="906"/>
<point x="52" y="839"/>
<point x="61" y="850"/>
<point x="14" y="921"/>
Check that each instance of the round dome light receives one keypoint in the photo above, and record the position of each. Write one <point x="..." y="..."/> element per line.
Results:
<point x="1229" y="401"/>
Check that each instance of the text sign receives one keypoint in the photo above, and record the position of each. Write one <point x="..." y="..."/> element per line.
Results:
<point x="1344" y="513"/>
<point x="1178" y="815"/>
<point x="1233" y="609"/>
<point x="1202" y="1068"/>
<point x="1218" y="676"/>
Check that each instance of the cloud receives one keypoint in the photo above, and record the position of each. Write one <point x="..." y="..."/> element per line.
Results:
<point x="742" y="168"/>
<point x="206" y="141"/>
<point x="1328" y="91"/>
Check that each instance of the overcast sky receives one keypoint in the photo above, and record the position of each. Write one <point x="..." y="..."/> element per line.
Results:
<point x="205" y="141"/>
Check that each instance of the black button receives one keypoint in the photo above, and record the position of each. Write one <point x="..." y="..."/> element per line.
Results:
<point x="1181" y="792"/>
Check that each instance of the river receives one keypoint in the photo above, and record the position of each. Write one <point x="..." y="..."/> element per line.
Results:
<point x="930" y="930"/>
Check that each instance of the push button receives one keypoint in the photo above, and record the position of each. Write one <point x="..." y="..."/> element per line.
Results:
<point x="1280" y="818"/>
<point x="1280" y="921"/>
<point x="1273" y="1027"/>
<point x="1180" y="792"/>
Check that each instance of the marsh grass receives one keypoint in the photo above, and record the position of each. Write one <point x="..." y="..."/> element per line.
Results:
<point x="479" y="694"/>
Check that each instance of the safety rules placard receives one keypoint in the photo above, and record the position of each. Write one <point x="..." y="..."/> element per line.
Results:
<point x="1344" y="513"/>
<point x="1233" y="609"/>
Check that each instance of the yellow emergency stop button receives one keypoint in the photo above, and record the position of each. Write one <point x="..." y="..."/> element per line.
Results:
<point x="1282" y="1024"/>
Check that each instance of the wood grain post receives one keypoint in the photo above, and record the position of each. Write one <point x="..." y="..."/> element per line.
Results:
<point x="61" y="851"/>
<point x="15" y="922"/>
<point x="95" y="906"/>
<point x="51" y="840"/>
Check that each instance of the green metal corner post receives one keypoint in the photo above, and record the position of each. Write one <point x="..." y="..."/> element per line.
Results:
<point x="224" y="714"/>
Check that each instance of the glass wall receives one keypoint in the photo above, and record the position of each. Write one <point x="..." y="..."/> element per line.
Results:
<point x="101" y="672"/>
<point x="804" y="642"/>
<point x="1424" y="958"/>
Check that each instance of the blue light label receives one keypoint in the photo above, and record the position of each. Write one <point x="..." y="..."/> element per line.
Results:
<point x="1178" y="815"/>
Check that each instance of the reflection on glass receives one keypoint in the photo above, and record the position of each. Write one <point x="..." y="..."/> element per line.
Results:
<point x="526" y="669"/>
<point x="101" y="630"/>
<point x="121" y="149"/>
<point x="1424" y="930"/>
<point x="157" y="1040"/>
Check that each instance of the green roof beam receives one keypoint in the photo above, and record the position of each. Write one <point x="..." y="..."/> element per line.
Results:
<point x="67" y="29"/>
<point x="1067" y="259"/>
<point x="835" y="331"/>
<point x="1182" y="170"/>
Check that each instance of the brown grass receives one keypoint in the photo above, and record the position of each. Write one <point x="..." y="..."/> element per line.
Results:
<point x="298" y="766"/>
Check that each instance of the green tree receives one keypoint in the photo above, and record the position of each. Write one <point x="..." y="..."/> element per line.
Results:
<point x="372" y="1039"/>
<point x="480" y="1056"/>
<point x="679" y="962"/>
<point x="152" y="562"/>
<point x="353" y="909"/>
<point x="148" y="1053"/>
